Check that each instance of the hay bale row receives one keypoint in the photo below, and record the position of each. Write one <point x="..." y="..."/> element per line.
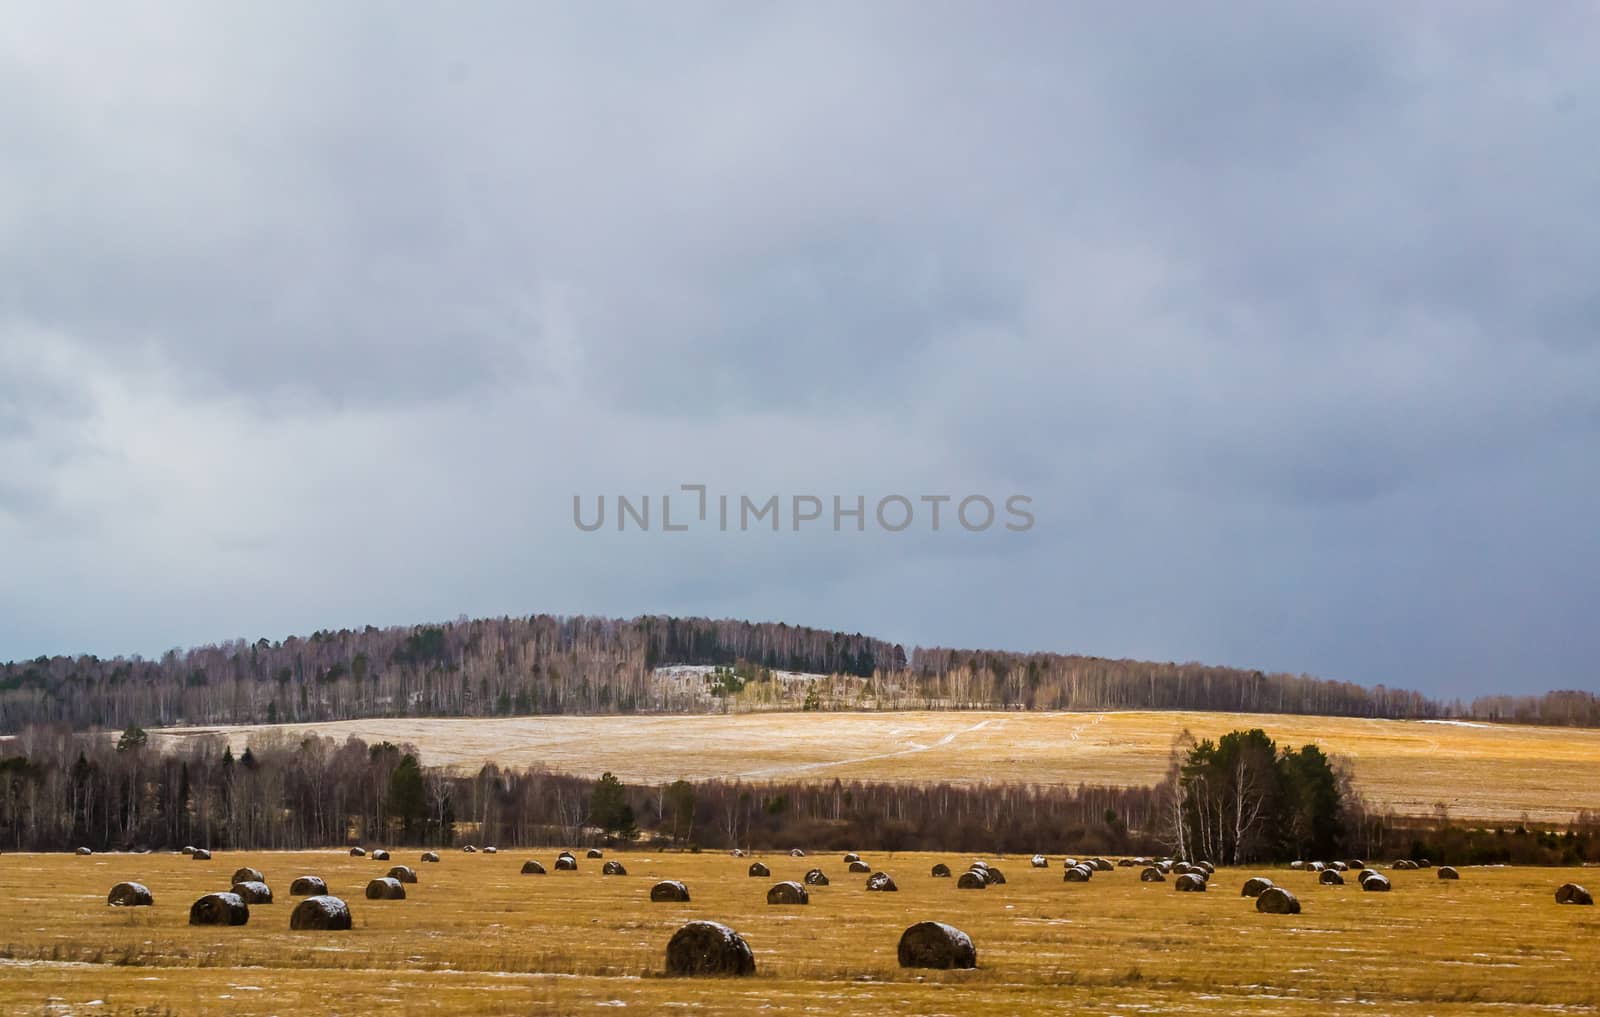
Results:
<point x="320" y="912"/>
<point x="308" y="886"/>
<point x="219" y="909"/>
<point x="129" y="895"/>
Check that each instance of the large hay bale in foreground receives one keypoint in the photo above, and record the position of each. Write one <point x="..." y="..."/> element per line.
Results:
<point x="860" y="866"/>
<point x="379" y="855"/>
<point x="201" y="855"/>
<point x="320" y="912"/>
<point x="816" y="877"/>
<point x="596" y="853"/>
<point x="358" y="852"/>
<point x="219" y="909"/>
<point x="1077" y="874"/>
<point x="1572" y="893"/>
<point x="254" y="891"/>
<point x="788" y="892"/>
<point x="248" y="875"/>
<point x="613" y="868"/>
<point x="404" y="873"/>
<point x="709" y="948"/>
<point x="564" y="863"/>
<point x="758" y="870"/>
<point x="1448" y="872"/>
<point x="1254" y="886"/>
<point x="386" y="888"/>
<point x="882" y="882"/>
<point x="1330" y="877"/>
<point x="532" y="868"/>
<point x="936" y="945"/>
<point x="1275" y="900"/>
<point x="972" y="880"/>
<point x="129" y="895"/>
<point x="941" y="870"/>
<point x="1152" y="875"/>
<point x="670" y="890"/>
<point x="308" y="886"/>
<point x="430" y="856"/>
<point x="1190" y="882"/>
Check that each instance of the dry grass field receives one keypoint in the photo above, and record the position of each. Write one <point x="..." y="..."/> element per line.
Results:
<point x="1492" y="773"/>
<point x="476" y="937"/>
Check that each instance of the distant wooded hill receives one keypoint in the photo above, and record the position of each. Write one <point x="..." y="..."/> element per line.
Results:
<point x="547" y="664"/>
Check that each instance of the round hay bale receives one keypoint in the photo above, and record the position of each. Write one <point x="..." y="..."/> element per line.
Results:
<point x="972" y="879"/>
<point x="320" y="912"/>
<point x="219" y="909"/>
<point x="1275" y="900"/>
<point x="254" y="891"/>
<point x="1152" y="875"/>
<point x="738" y="853"/>
<point x="1210" y="870"/>
<point x="670" y="890"/>
<point x="308" y="886"/>
<point x="1182" y="868"/>
<point x="613" y="868"/>
<point x="1127" y="863"/>
<point x="379" y="855"/>
<point x="129" y="895"/>
<point x="1356" y="864"/>
<point x="1068" y="863"/>
<point x="1423" y="863"/>
<point x="1255" y="886"/>
<point x="188" y="849"/>
<point x="994" y="876"/>
<point x="248" y="875"/>
<point x="1329" y="877"/>
<point x="1317" y="867"/>
<point x="469" y="849"/>
<point x="860" y="866"/>
<point x="759" y="871"/>
<point x="1448" y="872"/>
<point x="84" y="851"/>
<point x="567" y="854"/>
<point x="788" y="892"/>
<point x="386" y="888"/>
<point x="1190" y="882"/>
<point x="532" y="868"/>
<point x="936" y="945"/>
<point x="941" y="870"/>
<point x="1572" y="893"/>
<point x="491" y="850"/>
<point x="881" y="881"/>
<point x="404" y="873"/>
<point x="1375" y="883"/>
<point x="1102" y="865"/>
<point x="850" y="857"/>
<point x="596" y="853"/>
<point x="816" y="877"/>
<point x="709" y="948"/>
<point x="201" y="855"/>
<point x="358" y="852"/>
<point x="1077" y="874"/>
<point x="797" y="853"/>
<point x="430" y="856"/>
<point x="979" y="864"/>
<point x="565" y="863"/>
<point x="1339" y="866"/>
<point x="1297" y="864"/>
<point x="1037" y="861"/>
<point x="1404" y="865"/>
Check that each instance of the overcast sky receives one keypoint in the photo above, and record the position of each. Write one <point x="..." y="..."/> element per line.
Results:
<point x="1286" y="318"/>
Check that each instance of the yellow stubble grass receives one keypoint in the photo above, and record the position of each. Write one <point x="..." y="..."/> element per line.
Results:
<point x="475" y="936"/>
<point x="1485" y="773"/>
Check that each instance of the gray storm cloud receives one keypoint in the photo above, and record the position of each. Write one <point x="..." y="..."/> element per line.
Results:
<point x="1287" y="321"/>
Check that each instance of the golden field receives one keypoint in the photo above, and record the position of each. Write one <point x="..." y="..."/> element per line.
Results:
<point x="1479" y="772"/>
<point x="477" y="937"/>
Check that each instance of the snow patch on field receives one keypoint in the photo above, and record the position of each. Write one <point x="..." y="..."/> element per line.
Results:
<point x="1453" y="723"/>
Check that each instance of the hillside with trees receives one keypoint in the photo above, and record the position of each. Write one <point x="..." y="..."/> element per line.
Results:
<point x="544" y="664"/>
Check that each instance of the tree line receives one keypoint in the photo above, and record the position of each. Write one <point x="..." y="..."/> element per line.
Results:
<point x="1240" y="799"/>
<point x="545" y="664"/>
